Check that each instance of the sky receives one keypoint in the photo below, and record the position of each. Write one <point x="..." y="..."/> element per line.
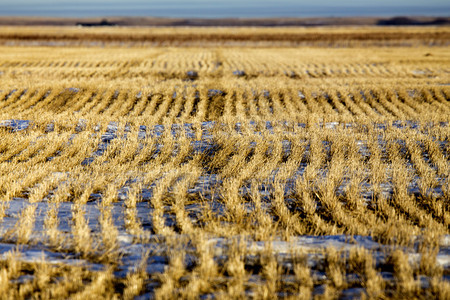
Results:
<point x="222" y="8"/>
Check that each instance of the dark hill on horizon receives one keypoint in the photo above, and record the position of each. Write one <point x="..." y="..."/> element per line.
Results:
<point x="260" y="22"/>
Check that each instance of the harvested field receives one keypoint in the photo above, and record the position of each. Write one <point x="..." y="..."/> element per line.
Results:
<point x="330" y="36"/>
<point x="225" y="172"/>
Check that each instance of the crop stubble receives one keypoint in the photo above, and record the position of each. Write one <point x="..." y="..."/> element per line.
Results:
<point x="224" y="172"/>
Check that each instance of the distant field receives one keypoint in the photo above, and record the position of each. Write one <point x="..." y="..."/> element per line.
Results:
<point x="251" y="168"/>
<point x="329" y="36"/>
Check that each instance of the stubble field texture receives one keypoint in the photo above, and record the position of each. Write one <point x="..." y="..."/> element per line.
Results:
<point x="224" y="163"/>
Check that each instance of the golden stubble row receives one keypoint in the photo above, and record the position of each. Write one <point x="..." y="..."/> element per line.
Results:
<point x="225" y="103"/>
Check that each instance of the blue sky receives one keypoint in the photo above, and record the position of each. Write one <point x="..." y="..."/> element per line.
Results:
<point x="223" y="8"/>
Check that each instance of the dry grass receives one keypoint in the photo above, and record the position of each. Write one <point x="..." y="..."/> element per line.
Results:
<point x="310" y="172"/>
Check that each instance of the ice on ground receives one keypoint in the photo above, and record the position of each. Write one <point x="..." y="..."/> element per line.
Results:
<point x="192" y="75"/>
<point x="74" y="90"/>
<point x="15" y="125"/>
<point x="81" y="125"/>
<point x="419" y="72"/>
<point x="50" y="127"/>
<point x="331" y="125"/>
<point x="215" y="92"/>
<point x="239" y="73"/>
<point x="314" y="245"/>
<point x="38" y="254"/>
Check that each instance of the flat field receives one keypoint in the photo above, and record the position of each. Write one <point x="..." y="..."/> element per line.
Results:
<point x="224" y="164"/>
